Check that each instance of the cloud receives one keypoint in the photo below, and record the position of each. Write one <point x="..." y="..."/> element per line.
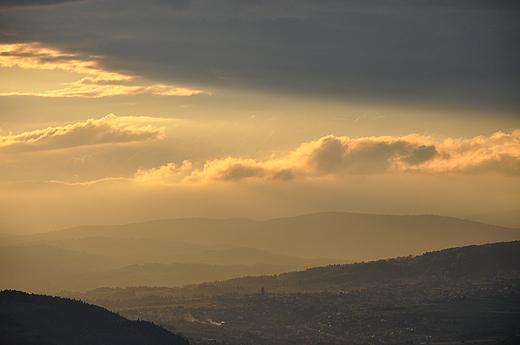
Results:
<point x="500" y="152"/>
<point x="87" y="183"/>
<point x="97" y="91"/>
<point x="97" y="83"/>
<point x="421" y="154"/>
<point x="168" y="173"/>
<point x="337" y="157"/>
<point x="341" y="155"/>
<point x="33" y="3"/>
<point x="463" y="54"/>
<point x="231" y="169"/>
<point x="330" y="158"/>
<point x="92" y="132"/>
<point x="34" y="56"/>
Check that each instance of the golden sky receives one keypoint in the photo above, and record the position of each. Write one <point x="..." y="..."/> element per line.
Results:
<point x="117" y="112"/>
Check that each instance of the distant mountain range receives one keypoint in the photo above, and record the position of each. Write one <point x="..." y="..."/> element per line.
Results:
<point x="336" y="235"/>
<point x="36" y="319"/>
<point x="176" y="252"/>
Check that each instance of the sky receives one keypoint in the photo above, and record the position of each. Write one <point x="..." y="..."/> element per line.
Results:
<point x="114" y="111"/>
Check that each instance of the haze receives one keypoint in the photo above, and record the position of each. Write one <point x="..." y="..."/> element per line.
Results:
<point x="118" y="112"/>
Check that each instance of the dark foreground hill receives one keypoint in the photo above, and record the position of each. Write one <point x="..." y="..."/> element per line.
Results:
<point x="38" y="319"/>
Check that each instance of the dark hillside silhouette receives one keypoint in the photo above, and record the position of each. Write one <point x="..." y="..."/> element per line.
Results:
<point x="38" y="319"/>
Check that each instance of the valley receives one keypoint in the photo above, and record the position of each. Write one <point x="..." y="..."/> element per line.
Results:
<point x="468" y="294"/>
<point x="312" y="279"/>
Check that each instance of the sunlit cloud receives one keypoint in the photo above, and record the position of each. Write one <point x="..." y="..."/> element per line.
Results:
<point x="337" y="157"/>
<point x="170" y="173"/>
<point x="98" y="91"/>
<point x="232" y="169"/>
<point x="91" y="132"/>
<point x="97" y="83"/>
<point x="500" y="152"/>
<point x="34" y="56"/>
<point x="328" y="158"/>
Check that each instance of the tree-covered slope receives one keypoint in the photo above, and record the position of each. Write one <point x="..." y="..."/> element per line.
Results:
<point x="470" y="262"/>
<point x="39" y="319"/>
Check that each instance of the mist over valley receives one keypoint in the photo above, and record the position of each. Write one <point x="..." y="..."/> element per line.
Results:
<point x="177" y="252"/>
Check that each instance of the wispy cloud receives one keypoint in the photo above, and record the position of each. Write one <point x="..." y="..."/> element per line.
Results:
<point x="97" y="83"/>
<point x="34" y="56"/>
<point x="337" y="157"/>
<point x="91" y="132"/>
<point x="88" y="183"/>
<point x="96" y="90"/>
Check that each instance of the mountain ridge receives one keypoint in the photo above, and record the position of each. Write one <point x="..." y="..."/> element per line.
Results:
<point x="279" y="245"/>
<point x="335" y="235"/>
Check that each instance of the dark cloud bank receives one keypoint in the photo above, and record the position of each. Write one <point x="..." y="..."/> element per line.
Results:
<point x="436" y="51"/>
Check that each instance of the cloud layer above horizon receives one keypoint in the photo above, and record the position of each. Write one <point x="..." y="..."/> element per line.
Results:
<point x="336" y="157"/>
<point x="328" y="157"/>
<point x="92" y="132"/>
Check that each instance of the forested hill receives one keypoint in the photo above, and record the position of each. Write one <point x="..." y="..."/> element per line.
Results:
<point x="39" y="319"/>
<point x="472" y="262"/>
